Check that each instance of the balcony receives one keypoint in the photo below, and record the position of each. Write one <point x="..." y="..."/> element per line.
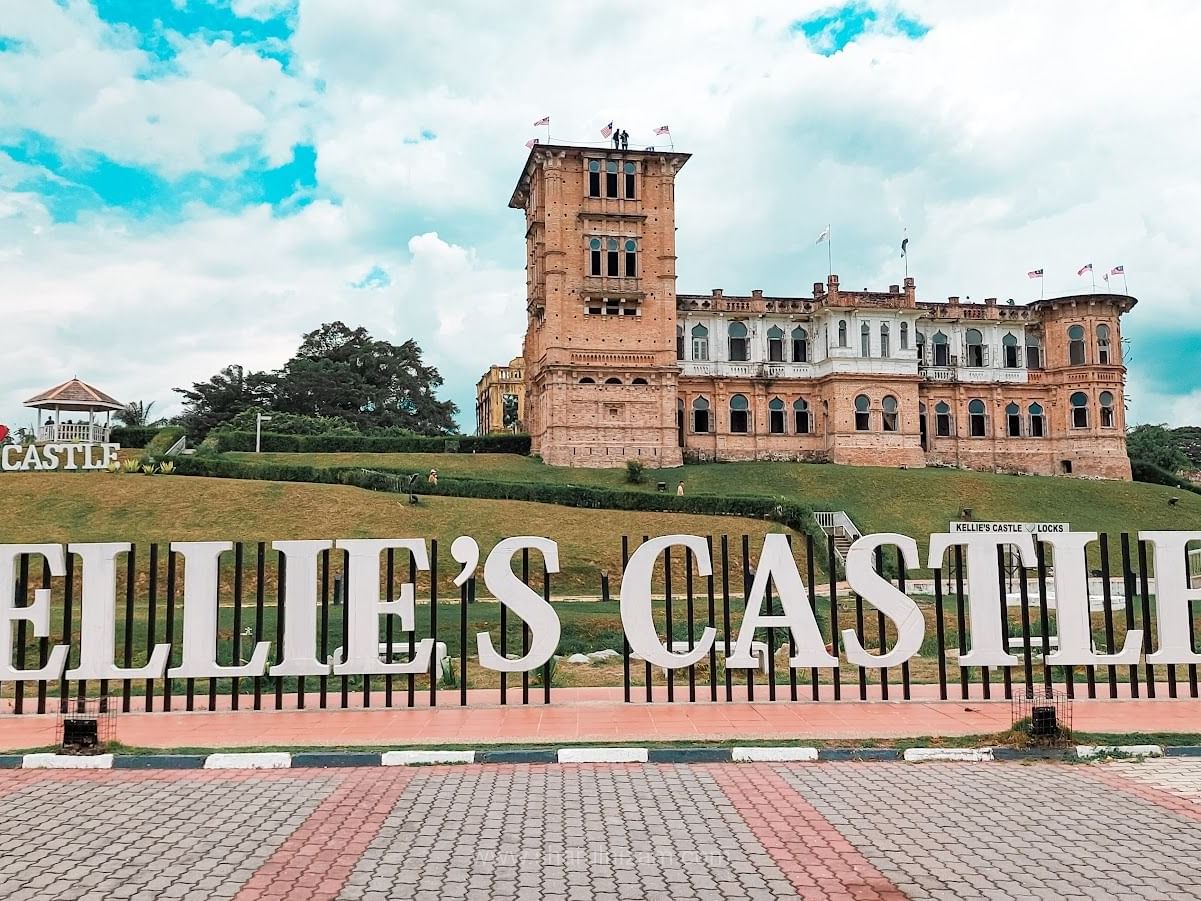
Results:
<point x="973" y="374"/>
<point x="73" y="433"/>
<point x="728" y="369"/>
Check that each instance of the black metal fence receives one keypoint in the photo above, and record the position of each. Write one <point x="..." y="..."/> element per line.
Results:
<point x="253" y="606"/>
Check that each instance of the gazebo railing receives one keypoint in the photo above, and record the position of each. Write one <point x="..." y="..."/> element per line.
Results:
<point x="71" y="432"/>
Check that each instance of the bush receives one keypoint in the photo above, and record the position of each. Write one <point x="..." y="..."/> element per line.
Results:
<point x="131" y="436"/>
<point x="1148" y="472"/>
<point x="372" y="444"/>
<point x="162" y="441"/>
<point x="634" y="472"/>
<point x="289" y="423"/>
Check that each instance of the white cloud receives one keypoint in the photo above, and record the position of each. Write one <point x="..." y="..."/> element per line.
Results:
<point x="261" y="9"/>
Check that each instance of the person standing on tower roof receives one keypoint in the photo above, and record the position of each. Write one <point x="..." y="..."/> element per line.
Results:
<point x="617" y="139"/>
<point x="625" y="140"/>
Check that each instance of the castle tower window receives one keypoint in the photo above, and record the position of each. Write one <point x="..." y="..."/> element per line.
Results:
<point x="976" y="355"/>
<point x="904" y="336"/>
<point x="628" y="169"/>
<point x="631" y="259"/>
<point x="1079" y="402"/>
<point x="800" y="345"/>
<point x="700" y="343"/>
<point x="740" y="417"/>
<point x="594" y="179"/>
<point x="1013" y="420"/>
<point x="611" y="179"/>
<point x="700" y="416"/>
<point x="884" y="348"/>
<point x="976" y="419"/>
<point x="889" y="404"/>
<point x="1034" y="353"/>
<point x="775" y="416"/>
<point x="921" y="349"/>
<point x="842" y="333"/>
<point x="863" y="416"/>
<point x="865" y="341"/>
<point x="612" y="258"/>
<point x="942" y="420"/>
<point x="800" y="413"/>
<point x="775" y="345"/>
<point x="679" y="342"/>
<point x="1038" y="427"/>
<point x="942" y="350"/>
<point x="613" y="380"/>
<point x="594" y="256"/>
<point x="1103" y="347"/>
<point x="1076" y="345"/>
<point x="1107" y="418"/>
<point x="1012" y="357"/>
<point x="738" y="342"/>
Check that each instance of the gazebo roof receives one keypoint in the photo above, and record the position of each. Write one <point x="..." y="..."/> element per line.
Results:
<point x="75" y="395"/>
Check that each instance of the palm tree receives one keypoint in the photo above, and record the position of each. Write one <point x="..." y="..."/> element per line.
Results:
<point x="135" y="414"/>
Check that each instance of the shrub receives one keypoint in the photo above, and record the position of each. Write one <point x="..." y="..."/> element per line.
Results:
<point x="162" y="441"/>
<point x="129" y="436"/>
<point x="1157" y="475"/>
<point x="634" y="472"/>
<point x="289" y="423"/>
<point x="377" y="444"/>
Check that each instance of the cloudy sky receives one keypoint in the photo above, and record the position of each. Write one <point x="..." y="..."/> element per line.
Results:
<point x="186" y="184"/>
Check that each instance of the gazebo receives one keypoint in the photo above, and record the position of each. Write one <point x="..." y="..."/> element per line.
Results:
<point x="74" y="397"/>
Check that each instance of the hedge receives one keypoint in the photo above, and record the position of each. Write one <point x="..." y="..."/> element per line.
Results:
<point x="163" y="440"/>
<point x="133" y="436"/>
<point x="1157" y="475"/>
<point x="797" y="517"/>
<point x="390" y="444"/>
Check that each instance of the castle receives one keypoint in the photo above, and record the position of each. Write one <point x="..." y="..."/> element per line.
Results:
<point x="620" y="367"/>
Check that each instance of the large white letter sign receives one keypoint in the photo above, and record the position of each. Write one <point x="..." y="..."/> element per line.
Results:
<point x="300" y="609"/>
<point x="97" y="626"/>
<point x="364" y="608"/>
<point x="201" y="559"/>
<point x="1071" y="606"/>
<point x="522" y="600"/>
<point x="37" y="613"/>
<point x="986" y="607"/>
<point x="776" y="562"/>
<point x="636" y="616"/>
<point x="885" y="597"/>
<point x="1173" y="597"/>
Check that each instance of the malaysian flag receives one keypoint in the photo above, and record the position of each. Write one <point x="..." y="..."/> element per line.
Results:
<point x="1087" y="267"/>
<point x="607" y="131"/>
<point x="545" y="120"/>
<point x="662" y="130"/>
<point x="1118" y="270"/>
<point x="530" y="143"/>
<point x="1034" y="273"/>
<point x="824" y="236"/>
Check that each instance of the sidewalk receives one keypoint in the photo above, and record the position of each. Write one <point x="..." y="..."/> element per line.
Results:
<point x="596" y="715"/>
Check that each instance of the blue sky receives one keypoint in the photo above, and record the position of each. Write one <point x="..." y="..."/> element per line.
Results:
<point x="186" y="184"/>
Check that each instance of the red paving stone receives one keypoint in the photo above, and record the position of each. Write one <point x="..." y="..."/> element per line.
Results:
<point x="1166" y="799"/>
<point x="818" y="861"/>
<point x="315" y="861"/>
<point x="577" y="716"/>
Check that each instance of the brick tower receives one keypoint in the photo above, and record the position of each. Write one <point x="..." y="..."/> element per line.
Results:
<point x="600" y="341"/>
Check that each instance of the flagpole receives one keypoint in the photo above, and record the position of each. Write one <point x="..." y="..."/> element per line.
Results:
<point x="830" y="253"/>
<point x="905" y="246"/>
<point x="548" y="129"/>
<point x="1093" y="276"/>
<point x="1124" y="288"/>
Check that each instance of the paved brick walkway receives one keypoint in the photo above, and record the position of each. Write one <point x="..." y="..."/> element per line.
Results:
<point x="678" y="832"/>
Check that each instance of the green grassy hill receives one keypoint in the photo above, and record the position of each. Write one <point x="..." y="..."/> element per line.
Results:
<point x="914" y="502"/>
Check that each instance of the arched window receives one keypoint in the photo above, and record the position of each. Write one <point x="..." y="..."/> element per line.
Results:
<point x="1013" y="420"/>
<point x="587" y="381"/>
<point x="884" y="348"/>
<point x="1076" y="345"/>
<point x="921" y="349"/>
<point x="842" y="333"/>
<point x="679" y="342"/>
<point x="800" y="345"/>
<point x="700" y="415"/>
<point x="1012" y="357"/>
<point x="1034" y="352"/>
<point x="613" y="380"/>
<point x="629" y="169"/>
<point x="594" y="257"/>
<point x="775" y="345"/>
<point x="976" y="419"/>
<point x="942" y="350"/>
<point x="1107" y="417"/>
<point x="1038" y="426"/>
<point x="613" y="256"/>
<point x="800" y="413"/>
<point x="638" y="381"/>
<point x="611" y="179"/>
<point x="740" y="417"/>
<point x="865" y="340"/>
<point x="738" y="342"/>
<point x="1103" y="347"/>
<point x="594" y="179"/>
<point x="942" y="420"/>
<point x="700" y="342"/>
<point x="775" y="416"/>
<point x="863" y="416"/>
<point x="889" y="405"/>
<point x="1079" y="402"/>
<point x="631" y="254"/>
<point x="976" y="356"/>
<point x="904" y="336"/>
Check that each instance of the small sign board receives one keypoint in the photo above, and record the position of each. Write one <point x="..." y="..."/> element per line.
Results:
<point x="1001" y="528"/>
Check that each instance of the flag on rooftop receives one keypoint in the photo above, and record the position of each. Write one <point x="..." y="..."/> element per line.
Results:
<point x="824" y="236"/>
<point x="1118" y="270"/>
<point x="905" y="247"/>
<point x="530" y="143"/>
<point x="545" y="120"/>
<point x="1034" y="273"/>
<point x="662" y="130"/>
<point x="1087" y="267"/>
<point x="607" y="131"/>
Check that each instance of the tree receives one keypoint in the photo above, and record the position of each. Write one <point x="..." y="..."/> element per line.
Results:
<point x="510" y="420"/>
<point x="137" y="415"/>
<point x="216" y="401"/>
<point x="1155" y="445"/>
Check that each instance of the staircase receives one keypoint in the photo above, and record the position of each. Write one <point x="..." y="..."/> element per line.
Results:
<point x="840" y="526"/>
